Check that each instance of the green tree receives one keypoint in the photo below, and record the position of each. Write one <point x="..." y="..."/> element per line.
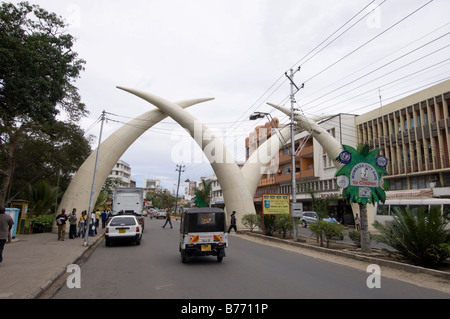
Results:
<point x="42" y="197"/>
<point x="50" y="154"/>
<point x="321" y="205"/>
<point x="421" y="238"/>
<point x="37" y="72"/>
<point x="202" y="194"/>
<point x="160" y="198"/>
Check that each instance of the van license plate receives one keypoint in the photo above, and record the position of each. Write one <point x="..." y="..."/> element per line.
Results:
<point x="206" y="247"/>
<point x="122" y="231"/>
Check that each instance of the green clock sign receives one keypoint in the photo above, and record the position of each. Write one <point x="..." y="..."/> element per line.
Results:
<point x="361" y="177"/>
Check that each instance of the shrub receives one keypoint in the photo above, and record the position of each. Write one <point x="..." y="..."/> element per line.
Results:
<point x="417" y="236"/>
<point x="42" y="224"/>
<point x="250" y="221"/>
<point x="327" y="230"/>
<point x="356" y="237"/>
<point x="269" y="224"/>
<point x="283" y="224"/>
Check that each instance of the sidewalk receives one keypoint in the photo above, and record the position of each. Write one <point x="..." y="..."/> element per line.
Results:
<point x="32" y="262"/>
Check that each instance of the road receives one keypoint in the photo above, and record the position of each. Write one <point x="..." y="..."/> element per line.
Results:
<point x="251" y="270"/>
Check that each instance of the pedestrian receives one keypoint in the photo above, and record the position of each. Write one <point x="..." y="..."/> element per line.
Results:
<point x="92" y="229"/>
<point x="73" y="224"/>
<point x="233" y="222"/>
<point x="6" y="224"/>
<point x="61" y="222"/>
<point x="82" y="224"/>
<point x="168" y="220"/>
<point x="97" y="220"/>
<point x="357" y="223"/>
<point x="104" y="218"/>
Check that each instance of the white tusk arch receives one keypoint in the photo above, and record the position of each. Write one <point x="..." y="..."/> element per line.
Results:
<point x="328" y="142"/>
<point x="78" y="193"/>
<point x="235" y="192"/>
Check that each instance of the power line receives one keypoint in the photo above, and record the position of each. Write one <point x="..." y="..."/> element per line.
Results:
<point x="367" y="42"/>
<point x="379" y="77"/>
<point x="348" y="21"/>
<point x="257" y="103"/>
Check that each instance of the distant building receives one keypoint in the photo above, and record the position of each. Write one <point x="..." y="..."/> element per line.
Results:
<point x="189" y="189"/>
<point x="151" y="184"/>
<point x="122" y="170"/>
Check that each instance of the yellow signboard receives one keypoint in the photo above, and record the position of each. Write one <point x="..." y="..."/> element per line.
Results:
<point x="276" y="204"/>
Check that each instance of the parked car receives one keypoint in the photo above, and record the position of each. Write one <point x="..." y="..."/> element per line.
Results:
<point x="123" y="228"/>
<point x="309" y="217"/>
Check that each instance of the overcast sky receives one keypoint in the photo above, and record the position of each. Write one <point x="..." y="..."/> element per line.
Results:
<point x="237" y="51"/>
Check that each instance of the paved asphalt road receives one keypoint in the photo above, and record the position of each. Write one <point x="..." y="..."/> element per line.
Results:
<point x="154" y="270"/>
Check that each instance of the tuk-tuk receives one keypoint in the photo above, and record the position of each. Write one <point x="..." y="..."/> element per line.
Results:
<point x="203" y="233"/>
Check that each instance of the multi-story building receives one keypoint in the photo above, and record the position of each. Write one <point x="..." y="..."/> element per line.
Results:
<point x="314" y="170"/>
<point x="122" y="170"/>
<point x="189" y="189"/>
<point x="152" y="184"/>
<point x="216" y="196"/>
<point x="414" y="134"/>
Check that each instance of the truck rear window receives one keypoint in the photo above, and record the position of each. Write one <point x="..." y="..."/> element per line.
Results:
<point x="123" y="221"/>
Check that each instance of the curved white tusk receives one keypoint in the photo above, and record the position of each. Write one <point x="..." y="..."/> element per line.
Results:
<point x="78" y="193"/>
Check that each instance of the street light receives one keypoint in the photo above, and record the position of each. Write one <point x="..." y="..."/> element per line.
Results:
<point x="258" y="115"/>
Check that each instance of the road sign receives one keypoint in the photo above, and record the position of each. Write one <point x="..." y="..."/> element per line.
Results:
<point x="276" y="204"/>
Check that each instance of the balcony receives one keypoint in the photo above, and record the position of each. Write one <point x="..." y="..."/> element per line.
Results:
<point x="306" y="173"/>
<point x="267" y="181"/>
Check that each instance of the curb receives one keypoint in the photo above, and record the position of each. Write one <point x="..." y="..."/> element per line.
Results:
<point x="78" y="260"/>
<point x="371" y="260"/>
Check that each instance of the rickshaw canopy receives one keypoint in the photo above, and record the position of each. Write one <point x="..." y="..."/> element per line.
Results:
<point x="198" y="220"/>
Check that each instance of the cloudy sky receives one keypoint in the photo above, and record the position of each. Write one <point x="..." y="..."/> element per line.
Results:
<point x="237" y="51"/>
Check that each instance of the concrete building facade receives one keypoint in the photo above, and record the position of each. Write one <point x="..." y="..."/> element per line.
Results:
<point x="413" y="133"/>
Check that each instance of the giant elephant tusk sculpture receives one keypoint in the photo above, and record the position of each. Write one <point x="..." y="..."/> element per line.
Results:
<point x="328" y="142"/>
<point x="238" y="186"/>
<point x="78" y="193"/>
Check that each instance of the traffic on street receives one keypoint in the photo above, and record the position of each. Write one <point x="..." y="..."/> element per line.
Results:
<point x="154" y="270"/>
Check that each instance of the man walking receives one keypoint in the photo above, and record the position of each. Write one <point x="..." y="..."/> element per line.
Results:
<point x="6" y="224"/>
<point x="168" y="220"/>
<point x="233" y="222"/>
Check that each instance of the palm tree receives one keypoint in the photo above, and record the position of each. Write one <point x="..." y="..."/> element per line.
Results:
<point x="202" y="195"/>
<point x="42" y="197"/>
<point x="418" y="236"/>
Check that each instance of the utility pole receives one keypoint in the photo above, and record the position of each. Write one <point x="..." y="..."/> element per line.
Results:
<point x="294" y="90"/>
<point x="180" y="169"/>
<point x="91" y="199"/>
